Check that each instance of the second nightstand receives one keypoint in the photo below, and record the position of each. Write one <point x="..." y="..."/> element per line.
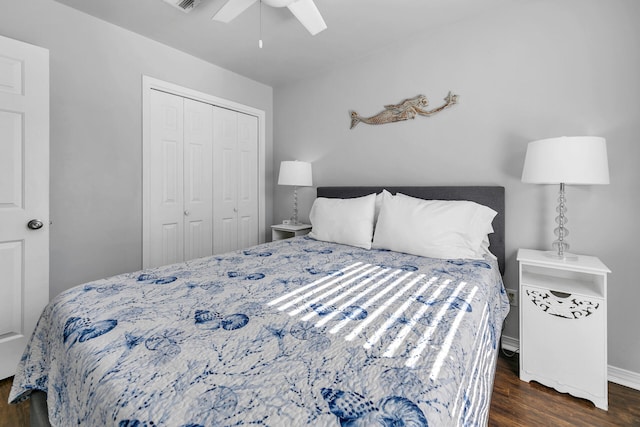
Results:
<point x="287" y="231"/>
<point x="563" y="324"/>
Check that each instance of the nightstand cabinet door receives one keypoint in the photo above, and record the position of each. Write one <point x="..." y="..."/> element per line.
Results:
<point x="564" y="345"/>
<point x="563" y="324"/>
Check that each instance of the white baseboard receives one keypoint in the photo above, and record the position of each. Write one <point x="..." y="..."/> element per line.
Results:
<point x="614" y="374"/>
<point x="510" y="344"/>
<point x="624" y="377"/>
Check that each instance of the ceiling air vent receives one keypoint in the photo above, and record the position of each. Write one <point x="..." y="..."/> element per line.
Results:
<point x="184" y="5"/>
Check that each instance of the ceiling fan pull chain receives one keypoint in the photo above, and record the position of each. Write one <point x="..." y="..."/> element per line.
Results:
<point x="260" y="41"/>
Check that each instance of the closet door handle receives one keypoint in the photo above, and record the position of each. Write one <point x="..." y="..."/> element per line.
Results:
<point x="187" y="213"/>
<point x="235" y="210"/>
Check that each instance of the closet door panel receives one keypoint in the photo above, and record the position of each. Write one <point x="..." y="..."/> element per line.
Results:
<point x="228" y="241"/>
<point x="248" y="180"/>
<point x="246" y="234"/>
<point x="170" y="244"/>
<point x="225" y="172"/>
<point x="166" y="229"/>
<point x="198" y="185"/>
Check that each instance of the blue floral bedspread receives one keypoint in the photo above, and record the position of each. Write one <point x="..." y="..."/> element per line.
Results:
<point x="290" y="333"/>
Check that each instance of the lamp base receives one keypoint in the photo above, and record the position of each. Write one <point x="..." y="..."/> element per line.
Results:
<point x="564" y="257"/>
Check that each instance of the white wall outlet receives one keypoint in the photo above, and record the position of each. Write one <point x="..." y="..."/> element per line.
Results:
<point x="513" y="297"/>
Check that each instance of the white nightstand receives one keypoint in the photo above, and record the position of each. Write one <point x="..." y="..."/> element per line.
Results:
<point x="287" y="231"/>
<point x="563" y="324"/>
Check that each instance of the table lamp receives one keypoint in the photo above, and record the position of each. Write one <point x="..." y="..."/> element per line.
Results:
<point x="297" y="174"/>
<point x="580" y="160"/>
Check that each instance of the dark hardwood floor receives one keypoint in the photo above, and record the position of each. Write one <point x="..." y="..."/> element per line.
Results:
<point x="12" y="415"/>
<point x="517" y="403"/>
<point x="514" y="403"/>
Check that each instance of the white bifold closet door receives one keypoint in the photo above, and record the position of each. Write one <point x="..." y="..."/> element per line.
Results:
<point x="180" y="180"/>
<point x="235" y="177"/>
<point x="202" y="180"/>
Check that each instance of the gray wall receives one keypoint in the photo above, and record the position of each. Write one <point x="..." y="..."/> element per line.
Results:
<point x="539" y="69"/>
<point x="96" y="131"/>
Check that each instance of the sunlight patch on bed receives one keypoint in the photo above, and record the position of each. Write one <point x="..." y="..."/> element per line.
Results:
<point x="344" y="294"/>
<point x="321" y="288"/>
<point x="311" y="285"/>
<point x="358" y="297"/>
<point x="414" y="320"/>
<point x="361" y="285"/>
<point x="367" y="303"/>
<point x="396" y="314"/>
<point x="426" y="337"/>
<point x="444" y="351"/>
<point x="383" y="307"/>
<point x="332" y="291"/>
<point x="481" y="339"/>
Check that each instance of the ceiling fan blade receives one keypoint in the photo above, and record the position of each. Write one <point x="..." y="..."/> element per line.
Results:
<point x="309" y="15"/>
<point x="231" y="9"/>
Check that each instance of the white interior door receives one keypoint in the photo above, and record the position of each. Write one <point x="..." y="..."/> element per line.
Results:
<point x="198" y="185"/>
<point x="165" y="181"/>
<point x="24" y="195"/>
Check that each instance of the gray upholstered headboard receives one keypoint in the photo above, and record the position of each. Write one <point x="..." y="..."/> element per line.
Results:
<point x="490" y="196"/>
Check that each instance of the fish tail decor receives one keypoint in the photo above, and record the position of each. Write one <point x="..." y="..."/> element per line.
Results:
<point x="354" y="119"/>
<point x="407" y="109"/>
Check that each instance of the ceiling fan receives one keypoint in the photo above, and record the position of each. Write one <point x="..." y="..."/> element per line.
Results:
<point x="305" y="10"/>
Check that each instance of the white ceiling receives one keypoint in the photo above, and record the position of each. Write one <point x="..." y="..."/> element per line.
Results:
<point x="356" y="28"/>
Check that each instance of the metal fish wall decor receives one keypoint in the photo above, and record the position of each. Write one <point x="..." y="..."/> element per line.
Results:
<point x="407" y="109"/>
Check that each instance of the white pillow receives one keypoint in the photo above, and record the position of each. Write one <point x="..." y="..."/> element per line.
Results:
<point x="380" y="199"/>
<point x="433" y="228"/>
<point x="346" y="221"/>
<point x="484" y="248"/>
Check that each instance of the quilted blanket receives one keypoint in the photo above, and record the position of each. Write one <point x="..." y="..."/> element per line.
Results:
<point x="294" y="332"/>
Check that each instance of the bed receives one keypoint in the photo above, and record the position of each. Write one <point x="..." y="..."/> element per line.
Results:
<point x="295" y="332"/>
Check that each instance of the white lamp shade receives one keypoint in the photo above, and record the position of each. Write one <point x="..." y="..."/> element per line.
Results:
<point x="295" y="173"/>
<point x="568" y="160"/>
